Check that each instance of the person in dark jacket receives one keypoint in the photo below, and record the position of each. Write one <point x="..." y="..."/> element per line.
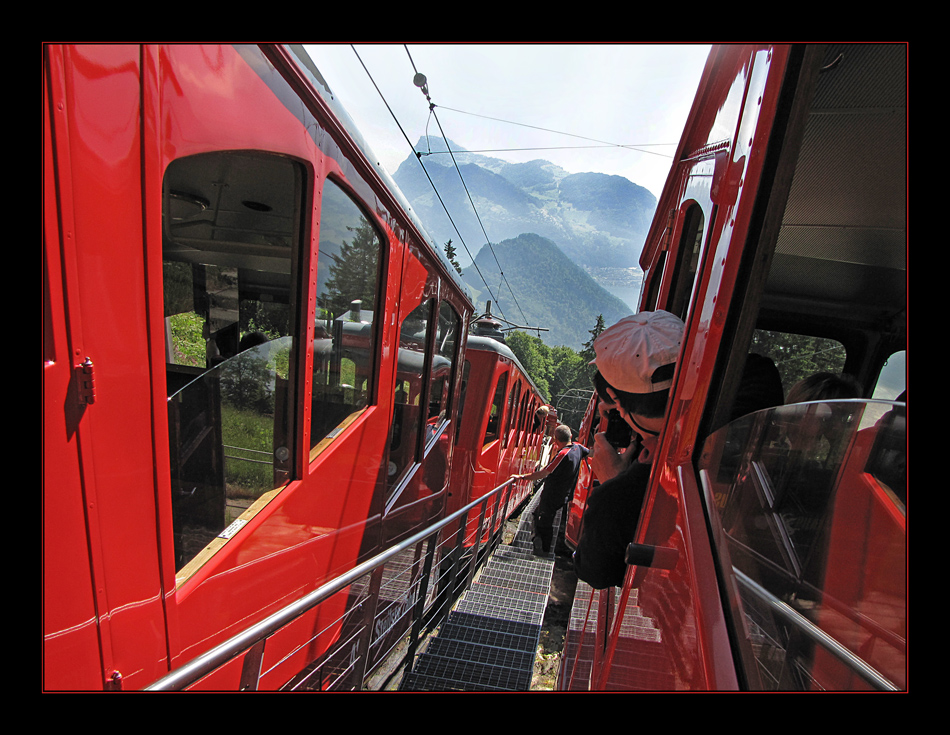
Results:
<point x="636" y="358"/>
<point x="560" y="478"/>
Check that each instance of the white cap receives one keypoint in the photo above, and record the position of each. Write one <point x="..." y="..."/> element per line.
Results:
<point x="629" y="351"/>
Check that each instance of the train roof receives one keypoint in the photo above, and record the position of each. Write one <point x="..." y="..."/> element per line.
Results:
<point x="843" y="240"/>
<point x="481" y="343"/>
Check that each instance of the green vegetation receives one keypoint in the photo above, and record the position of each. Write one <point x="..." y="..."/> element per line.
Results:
<point x="797" y="356"/>
<point x="552" y="292"/>
<point x="563" y="376"/>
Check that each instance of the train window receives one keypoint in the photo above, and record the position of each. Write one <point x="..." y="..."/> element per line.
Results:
<point x="345" y="333"/>
<point x="892" y="381"/>
<point x="798" y="356"/>
<point x="410" y="391"/>
<point x="231" y="242"/>
<point x="442" y="360"/>
<point x="492" y="431"/>
<point x="463" y="389"/>
<point x="809" y="495"/>
<point x="511" y="421"/>
<point x="687" y="260"/>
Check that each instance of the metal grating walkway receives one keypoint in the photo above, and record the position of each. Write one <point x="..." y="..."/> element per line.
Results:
<point x="489" y="640"/>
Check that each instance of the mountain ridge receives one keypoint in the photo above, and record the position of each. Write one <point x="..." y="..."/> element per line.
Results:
<point x="595" y="218"/>
<point x="551" y="292"/>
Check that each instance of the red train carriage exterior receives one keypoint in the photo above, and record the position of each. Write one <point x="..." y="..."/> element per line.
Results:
<point x="499" y="432"/>
<point x="251" y="357"/>
<point x="775" y="540"/>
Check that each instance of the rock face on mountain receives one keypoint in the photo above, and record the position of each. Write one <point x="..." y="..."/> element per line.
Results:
<point x="595" y="219"/>
<point x="541" y="288"/>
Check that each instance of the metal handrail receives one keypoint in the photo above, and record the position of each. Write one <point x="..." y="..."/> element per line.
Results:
<point x="202" y="665"/>
<point x="849" y="659"/>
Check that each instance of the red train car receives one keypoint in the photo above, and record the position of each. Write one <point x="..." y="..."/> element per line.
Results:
<point x="775" y="540"/>
<point x="251" y="357"/>
<point x="499" y="431"/>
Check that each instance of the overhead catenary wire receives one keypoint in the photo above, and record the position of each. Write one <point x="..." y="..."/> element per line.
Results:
<point x="420" y="81"/>
<point x="602" y="143"/>
<point x="431" y="182"/>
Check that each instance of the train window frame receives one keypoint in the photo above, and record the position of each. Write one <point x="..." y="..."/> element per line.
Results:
<point x="496" y="410"/>
<point x="692" y="232"/>
<point x="511" y="416"/>
<point x="448" y="328"/>
<point x="248" y="236"/>
<point x="407" y="432"/>
<point x="370" y="392"/>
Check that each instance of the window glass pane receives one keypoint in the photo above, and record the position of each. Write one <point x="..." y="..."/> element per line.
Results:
<point x="511" y="420"/>
<point x="442" y="361"/>
<point x="348" y="281"/>
<point x="230" y="254"/>
<point x="892" y="381"/>
<point x="494" y="414"/>
<point x="799" y="356"/>
<point x="687" y="261"/>
<point x="811" y="504"/>
<point x="410" y="392"/>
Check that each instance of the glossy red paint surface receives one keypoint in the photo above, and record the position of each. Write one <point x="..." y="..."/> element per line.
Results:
<point x="115" y="613"/>
<point x="688" y="646"/>
<point x="486" y="457"/>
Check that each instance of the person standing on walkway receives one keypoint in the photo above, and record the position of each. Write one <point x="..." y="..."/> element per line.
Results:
<point x="560" y="478"/>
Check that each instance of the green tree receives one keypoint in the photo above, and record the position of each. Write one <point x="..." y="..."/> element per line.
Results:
<point x="450" y="254"/>
<point x="535" y="358"/>
<point x="587" y="353"/>
<point x="797" y="356"/>
<point x="353" y="273"/>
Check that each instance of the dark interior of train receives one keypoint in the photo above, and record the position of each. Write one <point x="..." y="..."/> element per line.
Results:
<point x="839" y="266"/>
<point x="835" y="284"/>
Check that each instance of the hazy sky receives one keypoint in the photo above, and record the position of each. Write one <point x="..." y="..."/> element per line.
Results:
<point x="617" y="94"/>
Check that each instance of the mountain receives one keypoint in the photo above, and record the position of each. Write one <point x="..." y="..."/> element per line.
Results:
<point x="596" y="219"/>
<point x="550" y="291"/>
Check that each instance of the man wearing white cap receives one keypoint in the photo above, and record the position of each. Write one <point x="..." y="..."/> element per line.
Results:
<point x="636" y="357"/>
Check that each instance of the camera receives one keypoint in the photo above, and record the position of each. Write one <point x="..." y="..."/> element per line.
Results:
<point x="618" y="431"/>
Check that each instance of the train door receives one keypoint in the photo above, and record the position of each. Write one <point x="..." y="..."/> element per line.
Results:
<point x="104" y="587"/>
<point x="420" y="449"/>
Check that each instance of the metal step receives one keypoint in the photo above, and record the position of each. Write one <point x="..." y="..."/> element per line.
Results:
<point x="489" y="640"/>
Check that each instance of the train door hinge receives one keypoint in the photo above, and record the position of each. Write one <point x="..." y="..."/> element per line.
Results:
<point x="86" y="382"/>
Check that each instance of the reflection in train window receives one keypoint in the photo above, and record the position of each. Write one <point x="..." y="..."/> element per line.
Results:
<point x="497" y="404"/>
<point x="798" y="356"/>
<point x="410" y="391"/>
<point x="687" y="261"/>
<point x="449" y="328"/>
<point x="511" y="420"/>
<point x="230" y="254"/>
<point x="892" y="382"/>
<point x="345" y="332"/>
<point x="811" y="505"/>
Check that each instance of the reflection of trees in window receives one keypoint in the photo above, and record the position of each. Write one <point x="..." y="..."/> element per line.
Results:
<point x="353" y="272"/>
<point x="346" y="331"/>
<point x="231" y="226"/>
<point x="798" y="356"/>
